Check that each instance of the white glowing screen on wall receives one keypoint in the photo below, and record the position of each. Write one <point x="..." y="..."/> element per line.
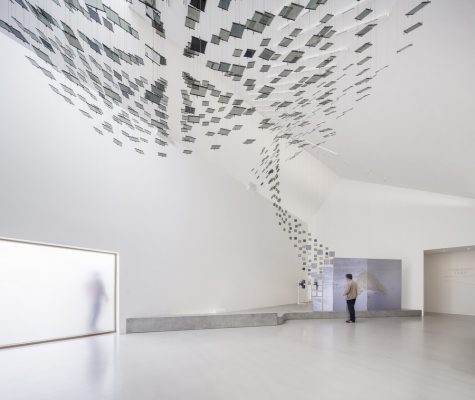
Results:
<point x="50" y="292"/>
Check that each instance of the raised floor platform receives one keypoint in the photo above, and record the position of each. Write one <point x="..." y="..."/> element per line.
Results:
<point x="250" y="318"/>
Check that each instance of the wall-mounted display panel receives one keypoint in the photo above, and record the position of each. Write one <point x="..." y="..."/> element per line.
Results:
<point x="50" y="292"/>
<point x="379" y="283"/>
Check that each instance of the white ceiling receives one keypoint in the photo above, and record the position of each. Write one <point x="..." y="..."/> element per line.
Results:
<point x="417" y="129"/>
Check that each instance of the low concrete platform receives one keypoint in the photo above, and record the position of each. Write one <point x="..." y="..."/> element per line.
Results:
<point x="251" y="318"/>
<point x="207" y="321"/>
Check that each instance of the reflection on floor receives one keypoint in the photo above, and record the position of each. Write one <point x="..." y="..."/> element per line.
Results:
<point x="389" y="358"/>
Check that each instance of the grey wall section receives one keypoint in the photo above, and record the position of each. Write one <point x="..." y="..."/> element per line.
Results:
<point x="191" y="240"/>
<point x="384" y="284"/>
<point x="359" y="268"/>
<point x="449" y="283"/>
<point x="379" y="283"/>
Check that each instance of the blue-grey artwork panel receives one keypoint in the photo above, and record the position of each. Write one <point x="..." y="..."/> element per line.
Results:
<point x="358" y="267"/>
<point x="384" y="284"/>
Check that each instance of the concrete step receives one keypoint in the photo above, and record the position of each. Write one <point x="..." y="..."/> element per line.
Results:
<point x="217" y="321"/>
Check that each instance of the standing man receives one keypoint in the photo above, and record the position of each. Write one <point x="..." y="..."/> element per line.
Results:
<point x="351" y="292"/>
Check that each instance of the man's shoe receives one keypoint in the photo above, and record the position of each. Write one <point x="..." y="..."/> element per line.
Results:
<point x="348" y="321"/>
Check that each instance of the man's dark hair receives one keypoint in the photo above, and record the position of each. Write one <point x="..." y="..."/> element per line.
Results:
<point x="349" y="276"/>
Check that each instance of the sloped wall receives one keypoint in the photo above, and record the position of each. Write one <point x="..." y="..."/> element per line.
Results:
<point x="191" y="239"/>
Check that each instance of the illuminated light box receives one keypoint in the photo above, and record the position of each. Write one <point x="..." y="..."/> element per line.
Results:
<point x="50" y="292"/>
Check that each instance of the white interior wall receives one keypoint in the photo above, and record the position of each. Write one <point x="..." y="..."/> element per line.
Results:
<point x="191" y="239"/>
<point x="449" y="282"/>
<point x="365" y="220"/>
<point x="181" y="225"/>
<point x="305" y="184"/>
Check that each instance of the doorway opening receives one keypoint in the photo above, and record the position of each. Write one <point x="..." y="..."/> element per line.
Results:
<point x="449" y="281"/>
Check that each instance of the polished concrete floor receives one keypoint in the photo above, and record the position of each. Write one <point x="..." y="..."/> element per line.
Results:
<point x="388" y="358"/>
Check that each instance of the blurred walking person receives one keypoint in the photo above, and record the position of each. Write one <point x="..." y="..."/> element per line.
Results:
<point x="98" y="297"/>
